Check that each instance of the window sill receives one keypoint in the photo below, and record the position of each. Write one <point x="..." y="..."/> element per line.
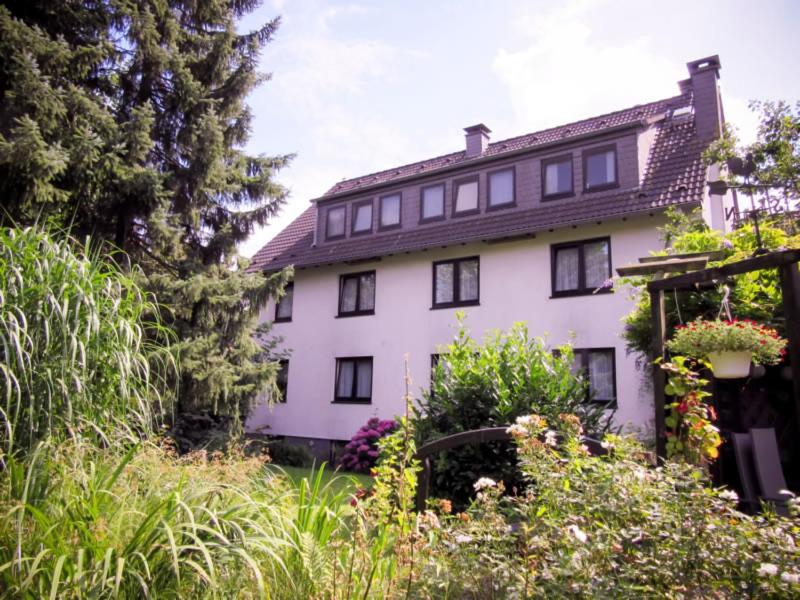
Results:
<point x="600" y="188"/>
<point x="283" y="320"/>
<point x="492" y="208"/>
<point x="456" y="304"/>
<point x="382" y="228"/>
<point x="361" y="232"/>
<point x="334" y="238"/>
<point x="588" y="292"/>
<point x="560" y="196"/>
<point x="467" y="213"/>
<point x="360" y="313"/>
<point x="351" y="401"/>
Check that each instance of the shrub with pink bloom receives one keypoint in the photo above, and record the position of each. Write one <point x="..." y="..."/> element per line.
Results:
<point x="361" y="452"/>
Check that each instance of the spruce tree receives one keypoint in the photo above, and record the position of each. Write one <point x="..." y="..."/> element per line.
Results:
<point x="126" y="120"/>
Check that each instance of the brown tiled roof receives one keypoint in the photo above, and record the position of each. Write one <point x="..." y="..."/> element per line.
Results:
<point x="674" y="175"/>
<point x="628" y="116"/>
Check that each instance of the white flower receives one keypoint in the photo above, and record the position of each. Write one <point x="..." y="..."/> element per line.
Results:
<point x="790" y="577"/>
<point x="767" y="569"/>
<point x="579" y="535"/>
<point x="551" y="438"/>
<point x="729" y="495"/>
<point x="463" y="539"/>
<point x="483" y="483"/>
<point x="524" y="420"/>
<point x="517" y="430"/>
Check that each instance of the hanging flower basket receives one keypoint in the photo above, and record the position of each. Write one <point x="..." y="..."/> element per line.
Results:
<point x="729" y="345"/>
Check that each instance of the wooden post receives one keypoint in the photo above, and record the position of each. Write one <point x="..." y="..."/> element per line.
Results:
<point x="790" y="288"/>
<point x="658" y="318"/>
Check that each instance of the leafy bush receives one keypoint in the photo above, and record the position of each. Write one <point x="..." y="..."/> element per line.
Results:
<point x="700" y="338"/>
<point x="75" y="359"/>
<point x="361" y="452"/>
<point x="488" y="385"/>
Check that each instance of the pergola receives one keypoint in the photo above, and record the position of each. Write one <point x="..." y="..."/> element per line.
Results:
<point x="786" y="261"/>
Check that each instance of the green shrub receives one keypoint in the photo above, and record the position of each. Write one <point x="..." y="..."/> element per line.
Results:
<point x="75" y="359"/>
<point x="284" y="453"/>
<point x="488" y="385"/>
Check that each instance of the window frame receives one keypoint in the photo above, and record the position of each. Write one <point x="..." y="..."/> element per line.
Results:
<point x="513" y="203"/>
<point x="357" y="276"/>
<point x="381" y="226"/>
<point x="284" y="362"/>
<point x="583" y="353"/>
<point x="353" y="399"/>
<point x="581" y="290"/>
<point x="288" y="319"/>
<point x="422" y="218"/>
<point x="553" y="160"/>
<point x="458" y="183"/>
<point x="456" y="262"/>
<point x="354" y="213"/>
<point x="586" y="153"/>
<point x="328" y="237"/>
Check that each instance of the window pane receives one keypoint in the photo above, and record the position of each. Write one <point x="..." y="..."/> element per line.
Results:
<point x="468" y="280"/>
<point x="600" y="168"/>
<point x="433" y="202"/>
<point x="567" y="269"/>
<point x="363" y="218"/>
<point x="282" y="380"/>
<point x="501" y="188"/>
<point x="364" y="381"/>
<point x="366" y="295"/>
<point x="284" y="310"/>
<point x="349" y="291"/>
<point x="601" y="374"/>
<point x="335" y="225"/>
<point x="390" y="210"/>
<point x="444" y="283"/>
<point x="344" y="386"/>
<point x="558" y="178"/>
<point x="595" y="256"/>
<point x="467" y="196"/>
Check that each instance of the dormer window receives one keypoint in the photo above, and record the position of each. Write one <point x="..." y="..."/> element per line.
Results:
<point x="390" y="211"/>
<point x="334" y="224"/>
<point x="600" y="168"/>
<point x="557" y="177"/>
<point x="362" y="217"/>
<point x="465" y="201"/>
<point x="501" y="188"/>
<point x="432" y="206"/>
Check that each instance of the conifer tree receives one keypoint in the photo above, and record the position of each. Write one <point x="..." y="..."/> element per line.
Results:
<point x="126" y="120"/>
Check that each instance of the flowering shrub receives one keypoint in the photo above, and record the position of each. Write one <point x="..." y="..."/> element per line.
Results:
<point x="700" y="337"/>
<point x="361" y="452"/>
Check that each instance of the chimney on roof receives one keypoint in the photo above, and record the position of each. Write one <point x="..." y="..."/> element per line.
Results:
<point x="477" y="139"/>
<point x="708" y="116"/>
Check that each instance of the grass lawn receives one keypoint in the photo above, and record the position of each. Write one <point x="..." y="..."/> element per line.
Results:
<point x="340" y="479"/>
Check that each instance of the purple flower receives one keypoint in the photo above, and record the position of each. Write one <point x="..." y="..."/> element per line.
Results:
<point x="727" y="244"/>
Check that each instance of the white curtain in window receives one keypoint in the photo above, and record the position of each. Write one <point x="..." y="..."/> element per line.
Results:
<point x="567" y="269"/>
<point x="285" y="304"/>
<point x="335" y="224"/>
<point x="344" y="387"/>
<point x="363" y="220"/>
<point x="501" y="188"/>
<point x="366" y="295"/>
<point x="595" y="256"/>
<point x="468" y="280"/>
<point x="433" y="202"/>
<point x="364" y="379"/>
<point x="601" y="374"/>
<point x="349" y="290"/>
<point x="444" y="283"/>
<point x="558" y="178"/>
<point x="600" y="169"/>
<point x="610" y="175"/>
<point x="390" y="210"/>
<point x="467" y="196"/>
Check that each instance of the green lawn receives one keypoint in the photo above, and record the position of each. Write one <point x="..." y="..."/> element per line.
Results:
<point x="341" y="480"/>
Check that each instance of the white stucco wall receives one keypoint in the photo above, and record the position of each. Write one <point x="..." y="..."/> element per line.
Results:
<point x="514" y="286"/>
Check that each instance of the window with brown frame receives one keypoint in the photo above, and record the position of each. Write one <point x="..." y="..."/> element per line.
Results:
<point x="357" y="294"/>
<point x="598" y="365"/>
<point x="334" y="223"/>
<point x="579" y="268"/>
<point x="465" y="196"/>
<point x="362" y="217"/>
<point x="353" y="380"/>
<point x="557" y="177"/>
<point x="432" y="203"/>
<point x="501" y="188"/>
<point x="390" y="211"/>
<point x="282" y="380"/>
<point x="283" y="307"/>
<point x="456" y="282"/>
<point x="600" y="168"/>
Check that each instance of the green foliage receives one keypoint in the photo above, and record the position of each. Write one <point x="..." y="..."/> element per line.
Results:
<point x="700" y="338"/>
<point x="76" y="352"/>
<point x="291" y="455"/>
<point x="488" y="385"/>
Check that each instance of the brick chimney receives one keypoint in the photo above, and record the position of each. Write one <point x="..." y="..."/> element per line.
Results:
<point x="703" y="74"/>
<point x="477" y="139"/>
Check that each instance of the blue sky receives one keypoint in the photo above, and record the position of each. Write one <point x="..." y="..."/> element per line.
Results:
<point x="363" y="86"/>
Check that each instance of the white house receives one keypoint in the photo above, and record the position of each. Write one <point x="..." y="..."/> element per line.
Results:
<point x="524" y="229"/>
